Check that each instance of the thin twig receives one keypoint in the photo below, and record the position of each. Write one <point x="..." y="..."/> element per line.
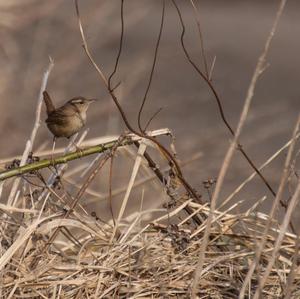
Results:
<point x="165" y="152"/>
<point x="250" y="93"/>
<point x="120" y="48"/>
<point x="281" y="235"/>
<point x="110" y="189"/>
<point x="152" y="117"/>
<point x="152" y="165"/>
<point x="37" y="122"/>
<point x="78" y="197"/>
<point x="283" y="181"/>
<point x="293" y="271"/>
<point x="153" y="68"/>
<point x="135" y="169"/>
<point x="218" y="100"/>
<point x="197" y="17"/>
<point x="212" y="68"/>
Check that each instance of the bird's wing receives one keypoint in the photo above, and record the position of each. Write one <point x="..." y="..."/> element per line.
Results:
<point x="60" y="116"/>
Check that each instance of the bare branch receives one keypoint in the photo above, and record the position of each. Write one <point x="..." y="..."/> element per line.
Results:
<point x="152" y="117"/>
<point x="120" y="48"/>
<point x="218" y="100"/>
<point x="69" y="157"/>
<point x="37" y="122"/>
<point x="153" y="67"/>
<point x="230" y="152"/>
<point x="165" y="152"/>
<point x="197" y="18"/>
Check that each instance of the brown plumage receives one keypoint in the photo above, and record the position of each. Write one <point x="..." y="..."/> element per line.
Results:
<point x="68" y="119"/>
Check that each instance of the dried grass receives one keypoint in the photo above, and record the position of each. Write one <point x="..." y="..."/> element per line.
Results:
<point x="138" y="258"/>
<point x="157" y="260"/>
<point x="53" y="246"/>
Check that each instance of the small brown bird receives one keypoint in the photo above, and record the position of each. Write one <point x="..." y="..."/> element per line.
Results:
<point x="68" y="119"/>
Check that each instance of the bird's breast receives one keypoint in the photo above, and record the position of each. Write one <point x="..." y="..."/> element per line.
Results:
<point x="67" y="126"/>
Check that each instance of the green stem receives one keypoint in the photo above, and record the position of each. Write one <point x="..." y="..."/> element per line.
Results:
<point x="61" y="160"/>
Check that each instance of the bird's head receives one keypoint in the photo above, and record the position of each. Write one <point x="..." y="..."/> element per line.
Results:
<point x="81" y="103"/>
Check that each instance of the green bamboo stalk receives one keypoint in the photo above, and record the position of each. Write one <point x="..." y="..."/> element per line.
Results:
<point x="62" y="159"/>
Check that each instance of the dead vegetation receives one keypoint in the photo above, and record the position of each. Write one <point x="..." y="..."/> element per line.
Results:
<point x="192" y="245"/>
<point x="153" y="260"/>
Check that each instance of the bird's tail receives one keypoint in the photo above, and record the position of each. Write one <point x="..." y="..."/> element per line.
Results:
<point x="49" y="104"/>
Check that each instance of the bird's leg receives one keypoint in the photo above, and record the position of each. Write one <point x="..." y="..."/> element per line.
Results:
<point x="78" y="149"/>
<point x="53" y="148"/>
<point x="52" y="154"/>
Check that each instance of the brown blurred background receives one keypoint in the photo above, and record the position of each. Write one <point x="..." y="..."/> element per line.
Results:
<point x="234" y="32"/>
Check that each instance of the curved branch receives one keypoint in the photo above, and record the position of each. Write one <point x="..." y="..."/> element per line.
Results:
<point x="197" y="17"/>
<point x="165" y="152"/>
<point x="152" y="117"/>
<point x="120" y="47"/>
<point x="221" y="111"/>
<point x="153" y="67"/>
<point x="172" y="161"/>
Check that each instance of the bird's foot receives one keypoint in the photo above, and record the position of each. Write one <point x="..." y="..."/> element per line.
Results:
<point x="52" y="161"/>
<point x="78" y="150"/>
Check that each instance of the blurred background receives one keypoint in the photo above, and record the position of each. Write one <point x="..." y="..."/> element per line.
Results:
<point x="233" y="31"/>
